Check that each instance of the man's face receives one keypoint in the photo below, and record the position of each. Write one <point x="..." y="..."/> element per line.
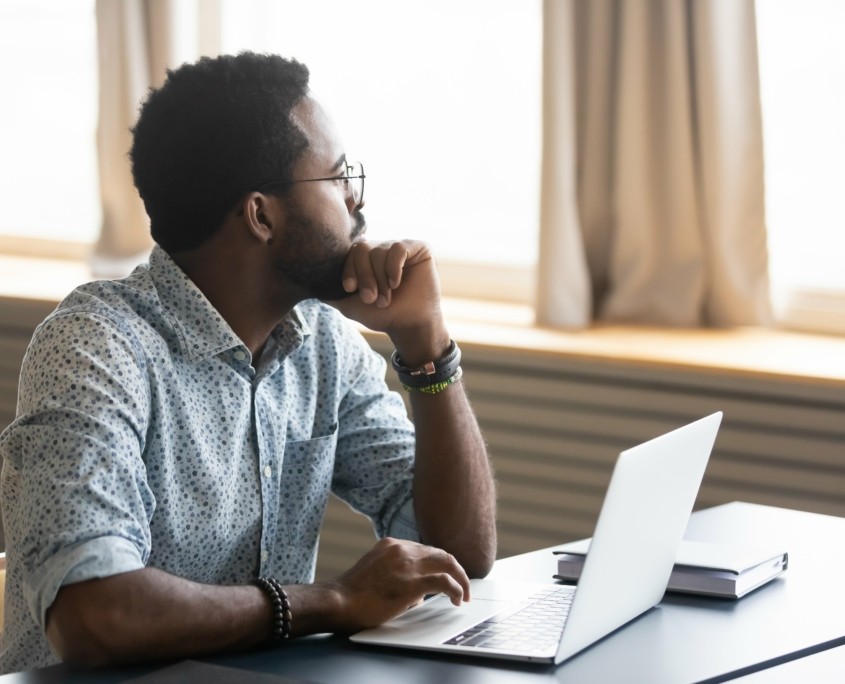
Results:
<point x="321" y="218"/>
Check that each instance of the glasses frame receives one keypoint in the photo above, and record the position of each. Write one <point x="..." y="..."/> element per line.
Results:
<point x="348" y="176"/>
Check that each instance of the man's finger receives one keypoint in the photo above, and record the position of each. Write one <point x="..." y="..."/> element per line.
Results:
<point x="350" y="277"/>
<point x="395" y="263"/>
<point x="361" y="261"/>
<point x="446" y="584"/>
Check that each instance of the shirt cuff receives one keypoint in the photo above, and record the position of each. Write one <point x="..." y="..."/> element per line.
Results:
<point x="404" y="523"/>
<point x="101" y="557"/>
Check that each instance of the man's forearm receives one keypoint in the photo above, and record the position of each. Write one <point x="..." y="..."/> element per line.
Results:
<point x="149" y="615"/>
<point x="398" y="292"/>
<point x="152" y="615"/>
<point x="454" y="491"/>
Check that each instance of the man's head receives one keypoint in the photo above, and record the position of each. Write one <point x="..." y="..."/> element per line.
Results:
<point x="214" y="131"/>
<point x="315" y="224"/>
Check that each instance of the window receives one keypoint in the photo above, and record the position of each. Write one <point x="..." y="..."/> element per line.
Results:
<point x="48" y="165"/>
<point x="802" y="72"/>
<point x="441" y="102"/>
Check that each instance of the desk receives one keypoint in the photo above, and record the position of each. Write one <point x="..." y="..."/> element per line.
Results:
<point x="684" y="639"/>
<point x="826" y="667"/>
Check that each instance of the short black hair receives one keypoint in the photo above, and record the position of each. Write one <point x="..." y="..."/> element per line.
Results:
<point x="215" y="130"/>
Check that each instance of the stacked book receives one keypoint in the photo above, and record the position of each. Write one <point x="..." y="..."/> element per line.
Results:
<point x="700" y="567"/>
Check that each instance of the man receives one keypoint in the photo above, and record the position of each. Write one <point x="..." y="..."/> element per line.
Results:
<point x="178" y="431"/>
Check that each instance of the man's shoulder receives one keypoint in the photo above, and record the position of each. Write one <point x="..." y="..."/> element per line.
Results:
<point x="127" y="306"/>
<point x="134" y="294"/>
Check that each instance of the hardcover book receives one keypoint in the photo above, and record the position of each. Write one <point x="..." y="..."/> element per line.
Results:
<point x="700" y="567"/>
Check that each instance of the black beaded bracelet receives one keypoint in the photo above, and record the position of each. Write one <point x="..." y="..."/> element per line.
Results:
<point x="282" y="616"/>
<point x="431" y="372"/>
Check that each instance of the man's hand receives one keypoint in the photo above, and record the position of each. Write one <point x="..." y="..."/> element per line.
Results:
<point x="395" y="289"/>
<point x="393" y="576"/>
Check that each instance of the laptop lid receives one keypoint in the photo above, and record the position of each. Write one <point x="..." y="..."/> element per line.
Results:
<point x="640" y="527"/>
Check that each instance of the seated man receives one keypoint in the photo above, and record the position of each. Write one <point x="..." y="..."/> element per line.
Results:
<point x="179" y="431"/>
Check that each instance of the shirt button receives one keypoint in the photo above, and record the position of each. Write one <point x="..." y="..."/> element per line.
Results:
<point x="239" y="355"/>
<point x="268" y="471"/>
<point x="264" y="556"/>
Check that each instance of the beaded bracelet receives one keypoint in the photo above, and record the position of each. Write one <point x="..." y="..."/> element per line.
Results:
<point x="282" y="616"/>
<point x="437" y="387"/>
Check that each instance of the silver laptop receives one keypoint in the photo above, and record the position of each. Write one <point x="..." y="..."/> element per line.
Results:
<point x="641" y="524"/>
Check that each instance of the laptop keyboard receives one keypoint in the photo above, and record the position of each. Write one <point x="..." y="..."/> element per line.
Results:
<point x="533" y="627"/>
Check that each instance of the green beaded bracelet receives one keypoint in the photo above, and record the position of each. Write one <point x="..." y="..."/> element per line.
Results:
<point x="437" y="387"/>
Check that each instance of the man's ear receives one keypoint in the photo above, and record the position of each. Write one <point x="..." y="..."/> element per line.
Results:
<point x="262" y="216"/>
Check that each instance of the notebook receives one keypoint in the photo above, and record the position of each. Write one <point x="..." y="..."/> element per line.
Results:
<point x="642" y="521"/>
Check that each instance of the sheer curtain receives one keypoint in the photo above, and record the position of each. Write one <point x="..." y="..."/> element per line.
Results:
<point x="137" y="41"/>
<point x="652" y="207"/>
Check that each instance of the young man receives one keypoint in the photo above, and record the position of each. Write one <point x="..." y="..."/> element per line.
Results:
<point x="179" y="431"/>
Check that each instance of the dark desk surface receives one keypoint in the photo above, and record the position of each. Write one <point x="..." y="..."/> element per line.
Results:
<point x="684" y="639"/>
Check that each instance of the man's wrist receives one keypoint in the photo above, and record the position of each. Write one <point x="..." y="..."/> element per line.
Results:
<point x="417" y="347"/>
<point x="318" y="608"/>
<point x="431" y="377"/>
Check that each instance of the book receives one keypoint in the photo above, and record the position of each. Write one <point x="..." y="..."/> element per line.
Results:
<point x="721" y="570"/>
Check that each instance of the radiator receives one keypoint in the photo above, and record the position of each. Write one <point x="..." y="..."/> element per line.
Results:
<point x="554" y="424"/>
<point x="554" y="427"/>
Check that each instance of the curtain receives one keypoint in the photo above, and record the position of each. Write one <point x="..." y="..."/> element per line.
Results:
<point x="137" y="41"/>
<point x="652" y="207"/>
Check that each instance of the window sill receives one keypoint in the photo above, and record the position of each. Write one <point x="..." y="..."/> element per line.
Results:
<point x="759" y="352"/>
<point x="746" y="352"/>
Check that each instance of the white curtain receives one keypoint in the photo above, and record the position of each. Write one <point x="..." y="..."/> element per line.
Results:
<point x="138" y="40"/>
<point x="652" y="207"/>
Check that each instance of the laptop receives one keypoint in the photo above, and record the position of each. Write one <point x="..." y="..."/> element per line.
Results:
<point x="642" y="521"/>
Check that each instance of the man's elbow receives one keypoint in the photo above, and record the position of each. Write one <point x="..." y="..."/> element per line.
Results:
<point x="83" y="637"/>
<point x="479" y="562"/>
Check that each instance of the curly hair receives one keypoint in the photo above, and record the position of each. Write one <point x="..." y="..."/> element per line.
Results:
<point x="215" y="130"/>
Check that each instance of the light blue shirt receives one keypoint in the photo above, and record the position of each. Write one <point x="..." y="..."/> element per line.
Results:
<point x="146" y="436"/>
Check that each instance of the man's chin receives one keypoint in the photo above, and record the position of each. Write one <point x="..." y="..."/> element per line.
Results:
<point x="330" y="287"/>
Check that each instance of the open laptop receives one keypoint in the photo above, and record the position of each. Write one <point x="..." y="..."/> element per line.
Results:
<point x="641" y="524"/>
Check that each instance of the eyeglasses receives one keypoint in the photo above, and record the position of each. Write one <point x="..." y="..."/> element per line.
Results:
<point x="353" y="177"/>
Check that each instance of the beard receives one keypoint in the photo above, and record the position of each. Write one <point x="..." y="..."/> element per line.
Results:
<point x="312" y="256"/>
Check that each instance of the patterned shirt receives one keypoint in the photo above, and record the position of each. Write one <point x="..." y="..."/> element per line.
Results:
<point x="146" y="435"/>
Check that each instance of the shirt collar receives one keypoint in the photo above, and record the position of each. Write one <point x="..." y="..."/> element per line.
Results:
<point x="201" y="330"/>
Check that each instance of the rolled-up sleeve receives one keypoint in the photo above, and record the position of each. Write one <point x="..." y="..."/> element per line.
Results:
<point x="75" y="479"/>
<point x="374" y="469"/>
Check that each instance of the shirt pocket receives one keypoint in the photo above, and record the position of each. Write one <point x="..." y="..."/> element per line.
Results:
<point x="305" y="485"/>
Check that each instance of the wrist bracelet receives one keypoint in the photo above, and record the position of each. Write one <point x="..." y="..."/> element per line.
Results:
<point x="431" y="372"/>
<point x="282" y="616"/>
<point x="437" y="387"/>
